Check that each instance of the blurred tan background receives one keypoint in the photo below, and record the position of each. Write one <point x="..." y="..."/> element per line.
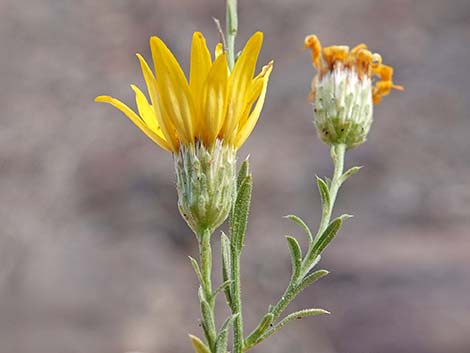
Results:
<point x="93" y="254"/>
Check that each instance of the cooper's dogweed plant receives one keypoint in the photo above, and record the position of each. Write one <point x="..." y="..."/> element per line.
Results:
<point x="204" y="122"/>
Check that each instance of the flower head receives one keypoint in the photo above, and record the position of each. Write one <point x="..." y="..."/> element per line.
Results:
<point x="202" y="122"/>
<point x="345" y="89"/>
<point x="215" y="104"/>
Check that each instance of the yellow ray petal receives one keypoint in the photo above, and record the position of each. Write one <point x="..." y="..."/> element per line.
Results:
<point x="252" y="95"/>
<point x="136" y="120"/>
<point x="239" y="81"/>
<point x="173" y="90"/>
<point x="219" y="50"/>
<point x="248" y="127"/>
<point x="215" y="98"/>
<point x="146" y="112"/>
<point x="166" y="125"/>
<point x="200" y="65"/>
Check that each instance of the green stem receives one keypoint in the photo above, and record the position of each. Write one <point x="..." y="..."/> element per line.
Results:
<point x="236" y="301"/>
<point x="208" y="321"/>
<point x="337" y="155"/>
<point x="231" y="29"/>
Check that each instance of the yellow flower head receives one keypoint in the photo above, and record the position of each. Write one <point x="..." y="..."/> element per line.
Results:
<point x="359" y="59"/>
<point x="216" y="104"/>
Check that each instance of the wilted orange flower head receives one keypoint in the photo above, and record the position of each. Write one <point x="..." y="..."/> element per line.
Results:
<point x="360" y="59"/>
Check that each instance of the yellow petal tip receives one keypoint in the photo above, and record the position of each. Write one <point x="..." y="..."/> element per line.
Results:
<point x="103" y="99"/>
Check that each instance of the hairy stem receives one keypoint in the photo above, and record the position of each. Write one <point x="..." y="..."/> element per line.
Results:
<point x="231" y="31"/>
<point x="207" y="317"/>
<point x="337" y="155"/>
<point x="236" y="302"/>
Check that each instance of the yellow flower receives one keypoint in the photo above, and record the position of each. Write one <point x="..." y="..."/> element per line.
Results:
<point x="216" y="104"/>
<point x="359" y="59"/>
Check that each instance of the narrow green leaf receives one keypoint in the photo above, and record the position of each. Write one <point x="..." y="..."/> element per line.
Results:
<point x="350" y="173"/>
<point x="198" y="345"/>
<point x="239" y="218"/>
<point x="314" y="263"/>
<point x="221" y="341"/>
<point x="226" y="266"/>
<point x="296" y="256"/>
<point x="297" y="220"/>
<point x="328" y="182"/>
<point x="243" y="172"/>
<point x="308" y="280"/>
<point x="196" y="268"/>
<point x="221" y="288"/>
<point x="324" y="193"/>
<point x="297" y="315"/>
<point x="206" y="313"/>
<point x="329" y="234"/>
<point x="264" y="324"/>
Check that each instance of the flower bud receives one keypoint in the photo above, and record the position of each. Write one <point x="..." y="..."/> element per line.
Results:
<point x="206" y="184"/>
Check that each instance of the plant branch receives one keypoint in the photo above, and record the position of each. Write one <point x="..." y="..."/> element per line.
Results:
<point x="231" y="30"/>
<point x="206" y="295"/>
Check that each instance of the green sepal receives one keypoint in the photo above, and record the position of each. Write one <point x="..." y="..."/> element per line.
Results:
<point x="240" y="212"/>
<point x="198" y="345"/>
<point x="222" y="338"/>
<point x="226" y="266"/>
<point x="329" y="234"/>
<point x="297" y="220"/>
<point x="350" y="173"/>
<point x="264" y="324"/>
<point x="196" y="269"/>
<point x="324" y="193"/>
<point x="296" y="256"/>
